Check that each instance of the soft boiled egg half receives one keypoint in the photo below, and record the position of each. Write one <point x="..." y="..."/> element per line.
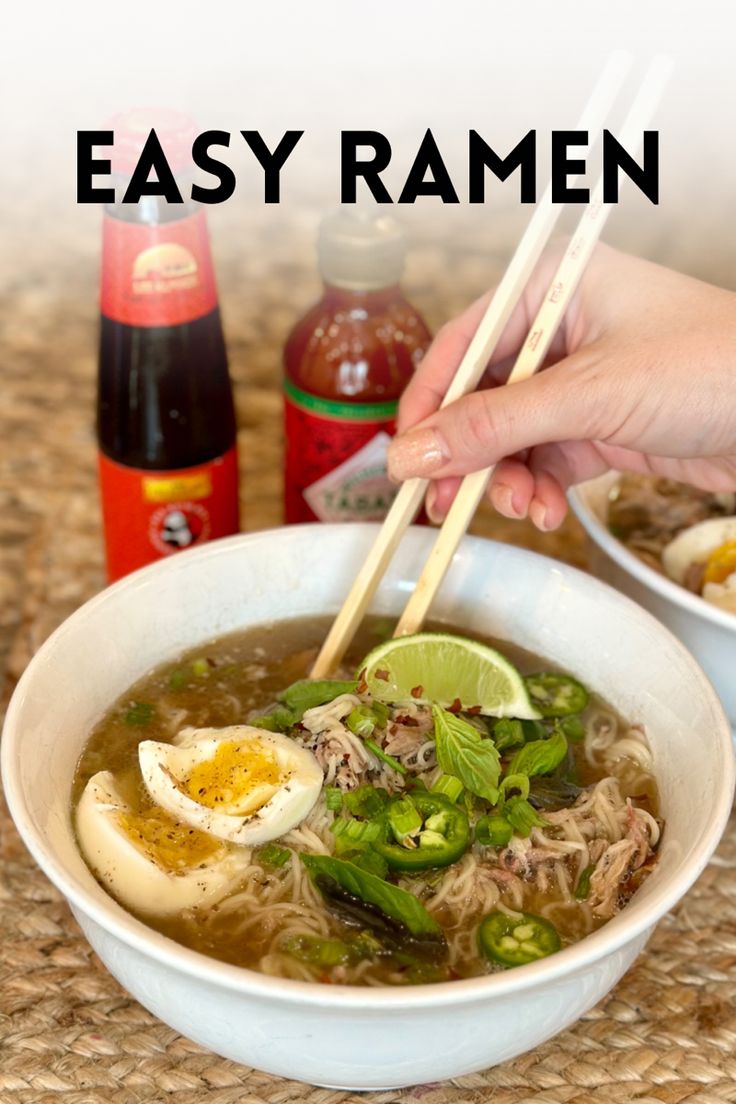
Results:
<point x="240" y="784"/>
<point x="708" y="548"/>
<point x="149" y="860"/>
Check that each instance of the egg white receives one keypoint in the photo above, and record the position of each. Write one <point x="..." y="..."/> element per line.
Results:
<point x="695" y="545"/>
<point x="135" y="872"/>
<point x="253" y="816"/>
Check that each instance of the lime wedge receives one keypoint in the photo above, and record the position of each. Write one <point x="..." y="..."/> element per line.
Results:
<point x="440" y="668"/>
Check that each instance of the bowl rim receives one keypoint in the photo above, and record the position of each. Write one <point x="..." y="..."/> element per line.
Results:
<point x="103" y="910"/>
<point x="630" y="562"/>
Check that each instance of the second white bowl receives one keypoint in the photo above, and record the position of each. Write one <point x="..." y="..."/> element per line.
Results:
<point x="709" y="632"/>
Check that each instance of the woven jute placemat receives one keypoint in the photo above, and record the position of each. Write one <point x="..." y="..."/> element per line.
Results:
<point x="68" y="1033"/>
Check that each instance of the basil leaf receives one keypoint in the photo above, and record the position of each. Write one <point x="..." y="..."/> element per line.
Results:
<point x="309" y="693"/>
<point x="390" y="899"/>
<point x="463" y="753"/>
<point x="278" y="720"/>
<point x="540" y="756"/>
<point x="521" y="816"/>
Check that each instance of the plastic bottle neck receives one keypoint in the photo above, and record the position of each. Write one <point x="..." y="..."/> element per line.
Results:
<point x="372" y="300"/>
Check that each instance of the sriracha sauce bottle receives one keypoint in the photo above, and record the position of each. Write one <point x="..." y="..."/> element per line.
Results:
<point x="165" y="416"/>
<point x="346" y="364"/>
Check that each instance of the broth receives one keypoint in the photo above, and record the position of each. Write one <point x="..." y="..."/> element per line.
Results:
<point x="277" y="915"/>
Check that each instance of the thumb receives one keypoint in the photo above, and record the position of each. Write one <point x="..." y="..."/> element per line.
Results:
<point x="565" y="402"/>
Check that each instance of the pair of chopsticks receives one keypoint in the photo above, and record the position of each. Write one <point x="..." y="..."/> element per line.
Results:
<point x="471" y="368"/>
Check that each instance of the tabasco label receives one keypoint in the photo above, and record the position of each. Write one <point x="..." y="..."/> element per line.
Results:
<point x="336" y="458"/>
<point x="151" y="514"/>
<point x="158" y="275"/>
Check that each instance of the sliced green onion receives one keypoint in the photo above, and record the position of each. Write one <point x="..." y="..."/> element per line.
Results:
<point x="493" y="830"/>
<point x="361" y="721"/>
<point x="358" y="831"/>
<point x="573" y="728"/>
<point x="513" y="782"/>
<point x="380" y="712"/>
<point x="384" y="758"/>
<point x="404" y="818"/>
<point x="140" y="713"/>
<point x="533" y="730"/>
<point x="273" y="855"/>
<point x="582" y="889"/>
<point x="507" y="733"/>
<point x="448" y="785"/>
<point x="177" y="680"/>
<point x="200" y="667"/>
<point x="333" y="798"/>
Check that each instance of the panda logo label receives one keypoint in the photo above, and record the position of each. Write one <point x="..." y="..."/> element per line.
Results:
<point x="177" y="526"/>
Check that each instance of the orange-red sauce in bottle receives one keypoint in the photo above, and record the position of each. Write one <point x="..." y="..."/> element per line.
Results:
<point x="346" y="364"/>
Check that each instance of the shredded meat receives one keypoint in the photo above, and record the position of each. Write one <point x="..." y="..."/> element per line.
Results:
<point x="647" y="512"/>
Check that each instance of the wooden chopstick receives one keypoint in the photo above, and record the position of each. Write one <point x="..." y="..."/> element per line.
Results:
<point x="531" y="356"/>
<point x="468" y="376"/>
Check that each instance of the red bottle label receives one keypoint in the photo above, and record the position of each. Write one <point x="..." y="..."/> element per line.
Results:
<point x="157" y="275"/>
<point x="150" y="514"/>
<point x="335" y="458"/>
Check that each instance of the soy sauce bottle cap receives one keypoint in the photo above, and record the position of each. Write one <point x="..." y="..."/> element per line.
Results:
<point x="362" y="250"/>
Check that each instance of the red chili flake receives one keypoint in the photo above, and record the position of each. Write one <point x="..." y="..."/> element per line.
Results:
<point x="455" y="707"/>
<point x="473" y="711"/>
<point x="384" y="676"/>
<point x="417" y="691"/>
<point x="361" y="688"/>
<point x="361" y="675"/>
<point x="407" y="721"/>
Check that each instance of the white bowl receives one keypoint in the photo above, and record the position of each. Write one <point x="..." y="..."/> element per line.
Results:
<point x="709" y="632"/>
<point x="353" y="1037"/>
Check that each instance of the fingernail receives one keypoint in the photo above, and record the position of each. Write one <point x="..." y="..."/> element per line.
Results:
<point x="430" y="505"/>
<point x="503" y="500"/>
<point x="538" y="514"/>
<point x="417" y="454"/>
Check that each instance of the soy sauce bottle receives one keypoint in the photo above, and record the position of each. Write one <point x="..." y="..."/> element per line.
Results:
<point x="165" y="415"/>
<point x="346" y="364"/>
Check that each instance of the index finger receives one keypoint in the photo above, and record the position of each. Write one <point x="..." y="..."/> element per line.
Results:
<point x="427" y="388"/>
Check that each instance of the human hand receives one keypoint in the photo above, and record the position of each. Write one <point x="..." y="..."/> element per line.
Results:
<point x="641" y="377"/>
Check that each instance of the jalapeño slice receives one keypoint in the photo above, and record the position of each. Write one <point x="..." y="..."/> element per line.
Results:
<point x="515" y="941"/>
<point x="556" y="695"/>
<point x="439" y="835"/>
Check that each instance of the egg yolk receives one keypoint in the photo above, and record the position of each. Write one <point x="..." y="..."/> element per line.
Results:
<point x="241" y="776"/>
<point x="721" y="563"/>
<point x="171" y="844"/>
